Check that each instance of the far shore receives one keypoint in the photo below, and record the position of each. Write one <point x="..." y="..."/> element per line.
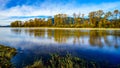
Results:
<point x="68" y="28"/>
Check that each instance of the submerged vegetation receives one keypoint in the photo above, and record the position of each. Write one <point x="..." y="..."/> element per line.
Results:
<point x="95" y="19"/>
<point x="6" y="53"/>
<point x="57" y="61"/>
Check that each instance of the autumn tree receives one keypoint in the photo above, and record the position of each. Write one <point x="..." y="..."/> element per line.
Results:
<point x="116" y="15"/>
<point x="49" y="21"/>
<point x="95" y="19"/>
<point x="16" y="24"/>
<point x="107" y="18"/>
<point x="92" y="18"/>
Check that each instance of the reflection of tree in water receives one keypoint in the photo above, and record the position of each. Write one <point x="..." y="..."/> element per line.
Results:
<point x="78" y="36"/>
<point x="116" y="39"/>
<point x="16" y="31"/>
<point x="50" y="33"/>
<point x="61" y="36"/>
<point x="106" y="40"/>
<point x="96" y="37"/>
<point x="36" y="32"/>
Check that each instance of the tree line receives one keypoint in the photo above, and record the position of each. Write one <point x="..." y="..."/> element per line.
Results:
<point x="95" y="19"/>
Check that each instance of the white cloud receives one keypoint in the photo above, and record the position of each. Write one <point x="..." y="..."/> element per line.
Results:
<point x="51" y="9"/>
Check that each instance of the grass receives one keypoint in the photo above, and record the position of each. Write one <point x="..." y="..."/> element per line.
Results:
<point x="37" y="64"/>
<point x="55" y="61"/>
<point x="69" y="28"/>
<point x="67" y="61"/>
<point x="6" y="53"/>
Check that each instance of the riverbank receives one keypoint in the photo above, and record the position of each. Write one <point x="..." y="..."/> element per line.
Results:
<point x="66" y="28"/>
<point x="6" y="54"/>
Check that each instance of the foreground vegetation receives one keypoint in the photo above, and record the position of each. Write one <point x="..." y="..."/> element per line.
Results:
<point x="55" y="61"/>
<point x="6" y="53"/>
<point x="67" y="61"/>
<point x="95" y="19"/>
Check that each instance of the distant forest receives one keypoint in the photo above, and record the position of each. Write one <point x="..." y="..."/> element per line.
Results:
<point x="95" y="19"/>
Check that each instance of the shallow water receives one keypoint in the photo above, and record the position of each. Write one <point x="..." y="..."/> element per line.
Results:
<point x="101" y="46"/>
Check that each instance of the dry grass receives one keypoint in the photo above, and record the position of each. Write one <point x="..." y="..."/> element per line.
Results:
<point x="69" y="28"/>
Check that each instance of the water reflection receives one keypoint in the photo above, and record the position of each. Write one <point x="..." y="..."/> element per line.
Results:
<point x="102" y="46"/>
<point x="99" y="38"/>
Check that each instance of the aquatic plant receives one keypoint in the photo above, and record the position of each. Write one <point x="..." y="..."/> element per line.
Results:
<point x="6" y="53"/>
<point x="37" y="64"/>
<point x="57" y="61"/>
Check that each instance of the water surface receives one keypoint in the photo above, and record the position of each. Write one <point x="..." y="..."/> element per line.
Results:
<point x="101" y="46"/>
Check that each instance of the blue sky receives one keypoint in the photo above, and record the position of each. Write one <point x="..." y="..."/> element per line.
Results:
<point x="11" y="10"/>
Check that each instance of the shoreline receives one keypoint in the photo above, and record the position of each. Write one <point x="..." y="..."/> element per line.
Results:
<point x="64" y="28"/>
